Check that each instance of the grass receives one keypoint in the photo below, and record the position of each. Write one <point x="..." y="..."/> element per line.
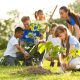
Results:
<point x="10" y="73"/>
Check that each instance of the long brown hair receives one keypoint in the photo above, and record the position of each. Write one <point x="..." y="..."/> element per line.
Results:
<point x="73" y="15"/>
<point x="61" y="29"/>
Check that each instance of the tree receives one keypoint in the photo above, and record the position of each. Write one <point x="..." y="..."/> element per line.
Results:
<point x="5" y="30"/>
<point x="14" y="14"/>
<point x="7" y="27"/>
<point x="75" y="6"/>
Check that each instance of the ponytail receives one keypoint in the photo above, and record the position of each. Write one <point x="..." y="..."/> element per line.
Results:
<point x="75" y="17"/>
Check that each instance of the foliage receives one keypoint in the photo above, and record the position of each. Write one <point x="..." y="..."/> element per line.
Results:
<point x="51" y="49"/>
<point x="75" y="6"/>
<point x="73" y="53"/>
<point x="7" y="27"/>
<point x="5" y="31"/>
<point x="14" y="13"/>
<point x="39" y="26"/>
<point x="60" y="21"/>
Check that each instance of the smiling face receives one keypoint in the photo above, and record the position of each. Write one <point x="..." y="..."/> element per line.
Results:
<point x="62" y="35"/>
<point x="61" y="32"/>
<point x="19" y="34"/>
<point x="26" y="24"/>
<point x="40" y="15"/>
<point x="63" y="14"/>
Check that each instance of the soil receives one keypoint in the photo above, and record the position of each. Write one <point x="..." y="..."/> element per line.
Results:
<point x="35" y="70"/>
<point x="38" y="70"/>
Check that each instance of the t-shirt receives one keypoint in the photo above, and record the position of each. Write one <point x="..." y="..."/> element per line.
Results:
<point x="55" y="41"/>
<point x="71" y="21"/>
<point x="27" y="39"/>
<point x="73" y="41"/>
<point x="11" y="49"/>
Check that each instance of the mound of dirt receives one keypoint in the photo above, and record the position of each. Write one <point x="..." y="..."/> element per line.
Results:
<point x="33" y="70"/>
<point x="38" y="70"/>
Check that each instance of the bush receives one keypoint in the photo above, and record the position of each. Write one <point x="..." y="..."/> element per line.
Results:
<point x="3" y="44"/>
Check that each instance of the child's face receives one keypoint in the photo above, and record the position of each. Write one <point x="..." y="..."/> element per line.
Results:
<point x="52" y="30"/>
<point x="63" y="14"/>
<point x="19" y="34"/>
<point x="26" y="23"/>
<point x="62" y="36"/>
<point x="41" y="16"/>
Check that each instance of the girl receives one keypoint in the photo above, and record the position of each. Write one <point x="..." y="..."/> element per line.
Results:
<point x="72" y="20"/>
<point x="69" y="42"/>
<point x="54" y="40"/>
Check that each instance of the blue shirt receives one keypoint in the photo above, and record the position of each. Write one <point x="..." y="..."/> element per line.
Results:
<point x="71" y="21"/>
<point x="73" y="41"/>
<point x="26" y="38"/>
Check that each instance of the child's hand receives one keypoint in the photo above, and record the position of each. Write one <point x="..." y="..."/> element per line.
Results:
<point x="26" y="55"/>
<point x="42" y="41"/>
<point x="64" y="56"/>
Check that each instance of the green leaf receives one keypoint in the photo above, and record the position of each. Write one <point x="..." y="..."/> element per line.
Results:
<point x="78" y="52"/>
<point x="41" y="47"/>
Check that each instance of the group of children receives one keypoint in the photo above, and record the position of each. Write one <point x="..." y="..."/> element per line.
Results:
<point x="58" y="35"/>
<point x="15" y="51"/>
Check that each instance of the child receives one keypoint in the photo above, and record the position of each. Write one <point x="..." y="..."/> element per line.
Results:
<point x="13" y="47"/>
<point x="40" y="19"/>
<point x="54" y="40"/>
<point x="28" y="38"/>
<point x="69" y="42"/>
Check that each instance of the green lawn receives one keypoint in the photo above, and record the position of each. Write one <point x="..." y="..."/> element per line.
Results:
<point x="11" y="73"/>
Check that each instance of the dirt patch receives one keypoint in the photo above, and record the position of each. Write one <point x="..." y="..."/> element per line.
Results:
<point x="34" y="70"/>
<point x="38" y="70"/>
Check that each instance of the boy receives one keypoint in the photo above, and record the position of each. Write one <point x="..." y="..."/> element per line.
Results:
<point x="12" y="48"/>
<point x="30" y="41"/>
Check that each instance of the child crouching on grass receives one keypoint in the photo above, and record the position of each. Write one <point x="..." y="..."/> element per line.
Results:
<point x="69" y="42"/>
<point x="10" y="57"/>
<point x="55" y="41"/>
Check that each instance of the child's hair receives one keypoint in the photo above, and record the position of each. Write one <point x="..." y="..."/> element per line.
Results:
<point x="18" y="29"/>
<point x="35" y="14"/>
<point x="54" y="25"/>
<point x="59" y="29"/>
<point x="39" y="11"/>
<point x="25" y="18"/>
<point x="75" y="16"/>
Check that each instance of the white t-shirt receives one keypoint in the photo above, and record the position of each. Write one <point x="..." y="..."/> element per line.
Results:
<point x="11" y="49"/>
<point x="55" y="41"/>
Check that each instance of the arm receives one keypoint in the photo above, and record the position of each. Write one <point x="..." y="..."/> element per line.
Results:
<point x="22" y="43"/>
<point x="76" y="27"/>
<point x="70" y="28"/>
<point x="72" y="47"/>
<point x="47" y="29"/>
<point x="21" y="50"/>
